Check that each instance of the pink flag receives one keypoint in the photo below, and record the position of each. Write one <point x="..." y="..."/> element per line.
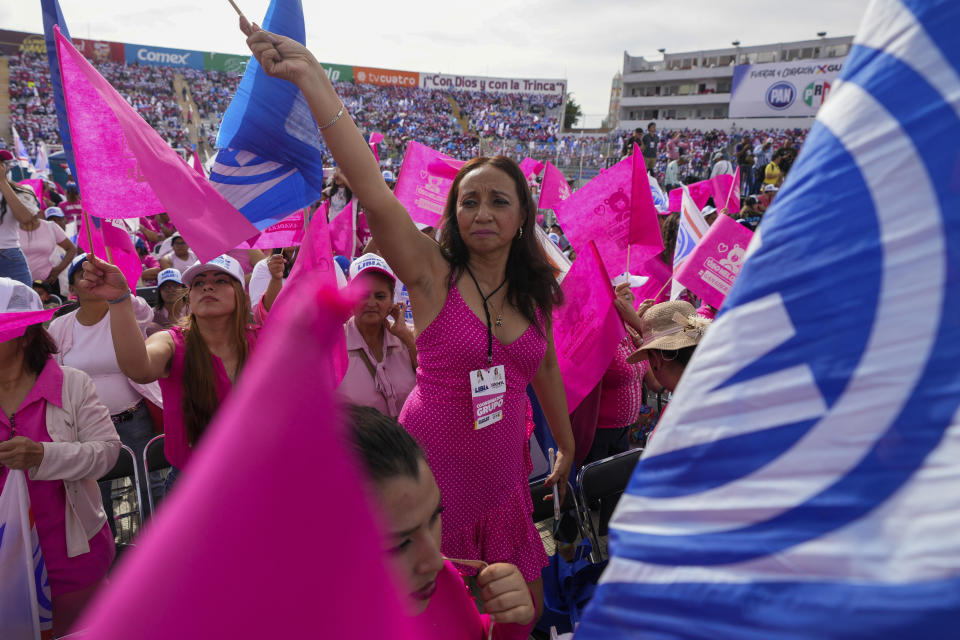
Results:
<point x="112" y="243"/>
<point x="37" y="185"/>
<point x="587" y="328"/>
<point x="424" y="181"/>
<point x="13" y="324"/>
<point x="531" y="167"/>
<point x="374" y="142"/>
<point x="726" y="191"/>
<point x="286" y="233"/>
<point x="315" y="264"/>
<point x="197" y="165"/>
<point x="699" y="191"/>
<point x="554" y="188"/>
<point x="710" y="270"/>
<point x="644" y="220"/>
<point x="126" y="170"/>
<point x="222" y="559"/>
<point x="601" y="211"/>
<point x="658" y="273"/>
<point x="343" y="230"/>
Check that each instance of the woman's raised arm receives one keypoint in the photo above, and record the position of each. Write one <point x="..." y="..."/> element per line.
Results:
<point x="415" y="259"/>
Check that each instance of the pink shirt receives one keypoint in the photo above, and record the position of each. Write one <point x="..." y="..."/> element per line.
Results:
<point x="395" y="377"/>
<point x="621" y="390"/>
<point x="452" y="614"/>
<point x="71" y="210"/>
<point x="48" y="498"/>
<point x="176" y="446"/>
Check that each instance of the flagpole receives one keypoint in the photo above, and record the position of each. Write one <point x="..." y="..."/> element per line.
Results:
<point x="235" y="8"/>
<point x="628" y="260"/>
<point x="726" y="202"/>
<point x="86" y="223"/>
<point x="662" y="289"/>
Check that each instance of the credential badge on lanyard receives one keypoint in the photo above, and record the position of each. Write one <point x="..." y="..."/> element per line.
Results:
<point x="488" y="386"/>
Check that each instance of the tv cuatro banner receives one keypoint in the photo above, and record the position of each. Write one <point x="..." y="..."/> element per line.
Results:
<point x="796" y="88"/>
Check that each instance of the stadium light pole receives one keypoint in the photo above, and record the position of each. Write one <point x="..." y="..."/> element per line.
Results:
<point x="736" y="43"/>
<point x="823" y="48"/>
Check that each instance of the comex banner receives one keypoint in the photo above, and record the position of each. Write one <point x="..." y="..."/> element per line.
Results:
<point x="161" y="56"/>
<point x="795" y="88"/>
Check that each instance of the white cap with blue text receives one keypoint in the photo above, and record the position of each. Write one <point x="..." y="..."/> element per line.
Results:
<point x="169" y="275"/>
<point x="371" y="262"/>
<point x="222" y="263"/>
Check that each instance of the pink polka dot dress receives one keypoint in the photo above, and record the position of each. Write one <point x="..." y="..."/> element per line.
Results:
<point x="482" y="474"/>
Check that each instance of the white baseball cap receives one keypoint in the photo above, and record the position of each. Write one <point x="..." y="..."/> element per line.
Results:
<point x="16" y="297"/>
<point x="169" y="275"/>
<point x="223" y="263"/>
<point x="372" y="263"/>
<point x="388" y="176"/>
<point x="53" y="212"/>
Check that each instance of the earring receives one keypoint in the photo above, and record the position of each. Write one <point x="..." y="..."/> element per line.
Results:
<point x="520" y="233"/>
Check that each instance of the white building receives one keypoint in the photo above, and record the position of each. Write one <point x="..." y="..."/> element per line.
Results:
<point x="693" y="89"/>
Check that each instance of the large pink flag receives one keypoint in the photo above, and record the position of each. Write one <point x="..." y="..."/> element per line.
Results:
<point x="554" y="188"/>
<point x="286" y="233"/>
<point x="531" y="167"/>
<point x="224" y="557"/>
<point x="107" y="235"/>
<point x="726" y="191"/>
<point x="658" y="274"/>
<point x="424" y="181"/>
<point x="343" y="230"/>
<point x="587" y="328"/>
<point x="126" y="170"/>
<point x="644" y="219"/>
<point x="713" y="265"/>
<point x="601" y="211"/>
<point x="699" y="191"/>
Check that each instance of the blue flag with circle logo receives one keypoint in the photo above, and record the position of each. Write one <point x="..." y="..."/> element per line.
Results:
<point x="805" y="480"/>
<point x="270" y="158"/>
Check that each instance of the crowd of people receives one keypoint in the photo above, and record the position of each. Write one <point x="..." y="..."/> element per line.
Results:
<point x="444" y="321"/>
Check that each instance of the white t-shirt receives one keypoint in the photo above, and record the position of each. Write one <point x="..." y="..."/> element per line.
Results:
<point x="93" y="353"/>
<point x="180" y="264"/>
<point x="9" y="234"/>
<point x="39" y="245"/>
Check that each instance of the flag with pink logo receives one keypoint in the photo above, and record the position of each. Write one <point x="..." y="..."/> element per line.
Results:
<point x="726" y="191"/>
<point x="690" y="230"/>
<point x="343" y="234"/>
<point x="253" y="576"/>
<point x="126" y="170"/>
<point x="530" y="167"/>
<point x="713" y="265"/>
<point x="700" y="192"/>
<point x="25" y="604"/>
<point x="554" y="188"/>
<point x="112" y="243"/>
<point x="602" y="211"/>
<point x="424" y="181"/>
<point x="286" y="233"/>
<point x="587" y="328"/>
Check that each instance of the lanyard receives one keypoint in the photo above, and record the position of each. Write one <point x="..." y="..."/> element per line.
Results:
<point x="486" y="312"/>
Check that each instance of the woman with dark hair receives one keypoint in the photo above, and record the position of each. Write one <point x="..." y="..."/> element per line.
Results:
<point x="482" y="303"/>
<point x="171" y="305"/>
<point x="18" y="205"/>
<point x="54" y="428"/>
<point x="411" y="505"/>
<point x="196" y="362"/>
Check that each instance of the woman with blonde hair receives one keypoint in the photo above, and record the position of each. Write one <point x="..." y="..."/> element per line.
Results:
<point x="196" y="362"/>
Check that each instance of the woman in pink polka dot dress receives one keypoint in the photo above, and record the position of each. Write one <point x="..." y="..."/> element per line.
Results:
<point x="489" y="289"/>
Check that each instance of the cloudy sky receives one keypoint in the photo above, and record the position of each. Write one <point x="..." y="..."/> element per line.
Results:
<point x="581" y="40"/>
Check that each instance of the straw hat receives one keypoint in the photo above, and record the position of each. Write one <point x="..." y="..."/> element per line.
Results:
<point x="670" y="326"/>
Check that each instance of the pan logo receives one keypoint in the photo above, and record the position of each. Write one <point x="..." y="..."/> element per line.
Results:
<point x="781" y="95"/>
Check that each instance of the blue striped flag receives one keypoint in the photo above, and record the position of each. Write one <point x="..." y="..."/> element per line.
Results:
<point x="270" y="160"/>
<point x="53" y="16"/>
<point x="805" y="480"/>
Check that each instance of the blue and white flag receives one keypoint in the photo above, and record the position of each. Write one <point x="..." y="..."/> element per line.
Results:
<point x="53" y="16"/>
<point x="42" y="163"/>
<point x="20" y="149"/>
<point x="270" y="162"/>
<point x="805" y="480"/>
<point x="690" y="230"/>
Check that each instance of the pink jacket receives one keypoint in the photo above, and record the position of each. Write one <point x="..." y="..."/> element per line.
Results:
<point x="85" y="446"/>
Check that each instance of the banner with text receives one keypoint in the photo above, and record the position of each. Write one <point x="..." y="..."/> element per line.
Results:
<point x="161" y="56"/>
<point x="100" y="50"/>
<point x="338" y="72"/>
<point x="386" y="77"/>
<point x="492" y="85"/>
<point x="228" y="62"/>
<point x="796" y="88"/>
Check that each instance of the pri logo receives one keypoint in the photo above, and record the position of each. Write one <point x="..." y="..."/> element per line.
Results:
<point x="781" y="95"/>
<point x="815" y="93"/>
